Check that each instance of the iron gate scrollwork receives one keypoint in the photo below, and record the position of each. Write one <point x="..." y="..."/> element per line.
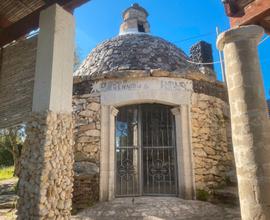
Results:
<point x="126" y="169"/>
<point x="158" y="170"/>
<point x="145" y="151"/>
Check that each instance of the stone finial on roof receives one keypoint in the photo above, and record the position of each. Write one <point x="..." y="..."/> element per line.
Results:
<point x="135" y="20"/>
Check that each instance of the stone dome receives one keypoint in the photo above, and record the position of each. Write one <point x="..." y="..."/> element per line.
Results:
<point x="133" y="52"/>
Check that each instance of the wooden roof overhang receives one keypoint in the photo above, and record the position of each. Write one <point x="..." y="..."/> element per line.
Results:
<point x="19" y="17"/>
<point x="245" y="12"/>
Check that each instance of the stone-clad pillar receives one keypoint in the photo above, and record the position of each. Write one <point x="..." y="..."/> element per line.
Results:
<point x="46" y="180"/>
<point x="250" y="125"/>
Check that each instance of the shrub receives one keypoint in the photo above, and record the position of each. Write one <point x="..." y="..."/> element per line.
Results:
<point x="6" y="158"/>
<point x="202" y="195"/>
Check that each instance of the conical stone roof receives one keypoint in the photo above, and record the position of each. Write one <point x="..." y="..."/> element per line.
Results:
<point x="133" y="52"/>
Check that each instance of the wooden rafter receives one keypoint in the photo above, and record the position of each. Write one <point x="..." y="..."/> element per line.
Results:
<point x="47" y="2"/>
<point x="266" y="25"/>
<point x="25" y="6"/>
<point x="30" y="22"/>
<point x="4" y="22"/>
<point x="19" y="29"/>
<point x="253" y="13"/>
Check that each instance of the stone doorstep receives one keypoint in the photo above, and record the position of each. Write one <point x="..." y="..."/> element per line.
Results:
<point x="7" y="190"/>
<point x="8" y="201"/>
<point x="8" y="183"/>
<point x="8" y="198"/>
<point x="8" y="214"/>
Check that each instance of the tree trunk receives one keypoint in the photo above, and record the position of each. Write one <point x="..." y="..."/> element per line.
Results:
<point x="17" y="165"/>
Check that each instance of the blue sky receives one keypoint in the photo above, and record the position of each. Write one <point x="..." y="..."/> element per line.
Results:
<point x="181" y="22"/>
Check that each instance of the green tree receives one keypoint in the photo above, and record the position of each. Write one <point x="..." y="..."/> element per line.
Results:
<point x="77" y="59"/>
<point x="11" y="140"/>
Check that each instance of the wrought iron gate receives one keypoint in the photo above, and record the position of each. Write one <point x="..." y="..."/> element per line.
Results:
<point x="145" y="151"/>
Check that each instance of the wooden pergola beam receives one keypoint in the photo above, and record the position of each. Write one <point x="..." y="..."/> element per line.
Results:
<point x="253" y="14"/>
<point x="266" y="25"/>
<point x="4" y="22"/>
<point x="31" y="22"/>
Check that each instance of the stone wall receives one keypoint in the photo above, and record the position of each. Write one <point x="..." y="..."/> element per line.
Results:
<point x="214" y="89"/>
<point x="46" y="178"/>
<point x="201" y="83"/>
<point x="17" y="70"/>
<point x="86" y="110"/>
<point x="213" y="156"/>
<point x="211" y="140"/>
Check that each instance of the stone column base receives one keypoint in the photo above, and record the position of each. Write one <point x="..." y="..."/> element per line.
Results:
<point x="46" y="179"/>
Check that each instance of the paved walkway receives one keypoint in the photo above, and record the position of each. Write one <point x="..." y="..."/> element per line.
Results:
<point x="8" y="199"/>
<point x="157" y="208"/>
<point x="139" y="208"/>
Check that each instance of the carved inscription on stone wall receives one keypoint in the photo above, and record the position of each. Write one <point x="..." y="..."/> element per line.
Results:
<point x="153" y="89"/>
<point x="143" y="84"/>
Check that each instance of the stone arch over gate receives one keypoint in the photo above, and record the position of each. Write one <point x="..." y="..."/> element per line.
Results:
<point x="168" y="91"/>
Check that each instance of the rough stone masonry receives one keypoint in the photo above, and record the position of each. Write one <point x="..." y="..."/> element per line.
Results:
<point x="47" y="168"/>
<point x="46" y="180"/>
<point x="86" y="111"/>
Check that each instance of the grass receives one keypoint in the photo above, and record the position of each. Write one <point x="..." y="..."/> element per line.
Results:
<point x="202" y="195"/>
<point x="6" y="172"/>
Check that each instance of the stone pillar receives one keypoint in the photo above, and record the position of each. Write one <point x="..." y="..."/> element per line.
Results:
<point x="111" y="173"/>
<point x="184" y="152"/>
<point x="250" y="125"/>
<point x="107" y="153"/>
<point x="46" y="180"/>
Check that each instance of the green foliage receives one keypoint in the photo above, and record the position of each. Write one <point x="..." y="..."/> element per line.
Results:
<point x="11" y="140"/>
<point x="16" y="187"/>
<point x="202" y="195"/>
<point x="6" y="158"/>
<point x="6" y="172"/>
<point x="77" y="59"/>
